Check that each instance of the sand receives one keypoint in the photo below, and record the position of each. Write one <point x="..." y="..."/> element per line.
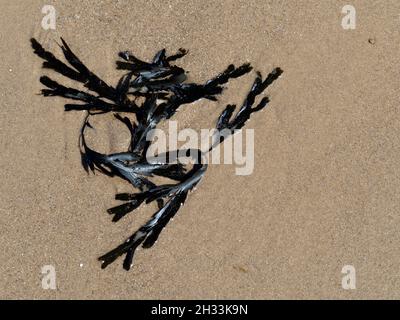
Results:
<point x="325" y="188"/>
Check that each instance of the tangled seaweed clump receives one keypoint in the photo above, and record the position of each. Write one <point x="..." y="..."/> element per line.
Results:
<point x="162" y="88"/>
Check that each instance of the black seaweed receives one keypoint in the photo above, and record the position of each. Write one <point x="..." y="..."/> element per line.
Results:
<point x="161" y="86"/>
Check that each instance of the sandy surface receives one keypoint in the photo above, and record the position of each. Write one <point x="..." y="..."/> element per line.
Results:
<point x="325" y="189"/>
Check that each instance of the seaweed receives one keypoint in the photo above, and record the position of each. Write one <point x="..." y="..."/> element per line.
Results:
<point x="161" y="87"/>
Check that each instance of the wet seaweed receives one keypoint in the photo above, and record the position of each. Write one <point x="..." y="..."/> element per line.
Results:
<point x="161" y="87"/>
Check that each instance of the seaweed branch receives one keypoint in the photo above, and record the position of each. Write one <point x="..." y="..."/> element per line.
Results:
<point x="161" y="87"/>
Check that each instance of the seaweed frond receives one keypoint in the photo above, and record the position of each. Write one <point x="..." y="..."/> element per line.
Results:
<point x="162" y="88"/>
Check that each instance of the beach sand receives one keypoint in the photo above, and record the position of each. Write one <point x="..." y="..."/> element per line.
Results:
<point x="326" y="182"/>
